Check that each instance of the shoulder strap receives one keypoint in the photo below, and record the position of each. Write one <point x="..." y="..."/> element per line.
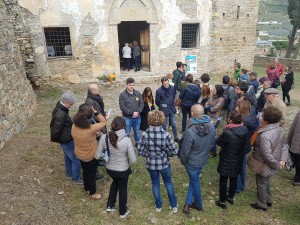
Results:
<point x="107" y="145"/>
<point x="153" y="141"/>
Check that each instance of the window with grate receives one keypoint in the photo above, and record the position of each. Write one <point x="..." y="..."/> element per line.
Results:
<point x="189" y="36"/>
<point x="58" y="41"/>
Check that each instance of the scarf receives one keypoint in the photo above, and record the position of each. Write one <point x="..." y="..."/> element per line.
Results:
<point x="97" y="98"/>
<point x="255" y="135"/>
<point x="232" y="125"/>
<point x="200" y="119"/>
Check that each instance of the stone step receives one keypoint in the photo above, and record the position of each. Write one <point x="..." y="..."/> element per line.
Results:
<point x="140" y="76"/>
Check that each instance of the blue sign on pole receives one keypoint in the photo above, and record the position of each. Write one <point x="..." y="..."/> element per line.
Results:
<point x="191" y="62"/>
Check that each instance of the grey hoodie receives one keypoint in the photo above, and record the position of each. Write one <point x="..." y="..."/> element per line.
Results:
<point x="121" y="156"/>
<point x="197" y="142"/>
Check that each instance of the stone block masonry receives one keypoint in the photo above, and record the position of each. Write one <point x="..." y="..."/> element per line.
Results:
<point x="17" y="99"/>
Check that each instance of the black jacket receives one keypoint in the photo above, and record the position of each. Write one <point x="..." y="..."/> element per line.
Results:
<point x="233" y="142"/>
<point x="144" y="115"/>
<point x="261" y="101"/>
<point x="61" y="124"/>
<point x="190" y="95"/>
<point x="252" y="125"/>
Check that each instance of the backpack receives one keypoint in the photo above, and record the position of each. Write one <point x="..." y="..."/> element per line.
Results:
<point x="226" y="97"/>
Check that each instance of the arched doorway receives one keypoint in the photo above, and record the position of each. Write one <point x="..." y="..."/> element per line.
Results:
<point x="138" y="19"/>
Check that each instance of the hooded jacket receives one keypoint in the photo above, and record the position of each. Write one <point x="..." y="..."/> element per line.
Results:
<point x="190" y="95"/>
<point x="232" y="142"/>
<point x="197" y="142"/>
<point x="61" y="124"/>
<point x="120" y="157"/>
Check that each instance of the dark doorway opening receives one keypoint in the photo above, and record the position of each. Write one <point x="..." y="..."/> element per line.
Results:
<point x="129" y="31"/>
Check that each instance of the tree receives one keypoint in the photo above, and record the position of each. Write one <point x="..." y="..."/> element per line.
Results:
<point x="294" y="15"/>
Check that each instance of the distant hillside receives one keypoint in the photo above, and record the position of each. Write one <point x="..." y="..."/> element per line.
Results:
<point x="274" y="10"/>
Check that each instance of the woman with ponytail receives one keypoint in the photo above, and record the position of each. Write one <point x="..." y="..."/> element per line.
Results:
<point x="121" y="155"/>
<point x="233" y="142"/>
<point x="84" y="135"/>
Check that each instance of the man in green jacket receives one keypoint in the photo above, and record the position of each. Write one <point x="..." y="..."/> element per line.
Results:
<point x="237" y="71"/>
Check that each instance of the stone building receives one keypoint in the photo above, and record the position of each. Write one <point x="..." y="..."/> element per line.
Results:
<point x="17" y="99"/>
<point x="78" y="40"/>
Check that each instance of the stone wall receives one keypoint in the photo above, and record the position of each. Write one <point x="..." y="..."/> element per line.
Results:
<point x="223" y="38"/>
<point x="264" y="61"/>
<point x="233" y="34"/>
<point x="17" y="99"/>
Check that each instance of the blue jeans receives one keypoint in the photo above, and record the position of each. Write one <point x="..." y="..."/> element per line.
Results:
<point x="185" y="112"/>
<point x="72" y="163"/>
<point x="194" y="191"/>
<point x="241" y="179"/>
<point x="135" y="123"/>
<point x="166" y="175"/>
<point x="137" y="62"/>
<point x="171" y="118"/>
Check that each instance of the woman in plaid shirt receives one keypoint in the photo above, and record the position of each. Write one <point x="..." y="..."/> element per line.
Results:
<point x="157" y="146"/>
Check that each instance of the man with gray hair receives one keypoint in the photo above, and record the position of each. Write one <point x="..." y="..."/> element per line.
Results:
<point x="60" y="128"/>
<point x="198" y="140"/>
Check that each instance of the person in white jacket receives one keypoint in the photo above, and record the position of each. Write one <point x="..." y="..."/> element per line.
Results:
<point x="126" y="56"/>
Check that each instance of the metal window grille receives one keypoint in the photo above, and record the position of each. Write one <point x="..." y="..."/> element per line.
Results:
<point x="58" y="41"/>
<point x="189" y="35"/>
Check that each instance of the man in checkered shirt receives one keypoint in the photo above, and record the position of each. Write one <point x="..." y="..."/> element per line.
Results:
<point x="157" y="145"/>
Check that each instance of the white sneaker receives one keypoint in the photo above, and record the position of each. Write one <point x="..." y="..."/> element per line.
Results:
<point x="174" y="209"/>
<point x="124" y="215"/>
<point x="158" y="209"/>
<point x="110" y="209"/>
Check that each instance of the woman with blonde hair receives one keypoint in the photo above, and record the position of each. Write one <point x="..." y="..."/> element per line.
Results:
<point x="157" y="145"/>
<point x="84" y="135"/>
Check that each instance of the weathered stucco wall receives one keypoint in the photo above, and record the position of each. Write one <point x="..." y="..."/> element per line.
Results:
<point x="223" y="38"/>
<point x="17" y="99"/>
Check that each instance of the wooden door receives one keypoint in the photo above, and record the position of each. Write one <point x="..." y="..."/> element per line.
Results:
<point x="145" y="46"/>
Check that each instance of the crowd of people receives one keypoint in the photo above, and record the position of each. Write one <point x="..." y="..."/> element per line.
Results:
<point x="251" y="109"/>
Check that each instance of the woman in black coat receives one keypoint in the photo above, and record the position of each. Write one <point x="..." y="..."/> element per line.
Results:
<point x="148" y="106"/>
<point x="287" y="83"/>
<point x="232" y="141"/>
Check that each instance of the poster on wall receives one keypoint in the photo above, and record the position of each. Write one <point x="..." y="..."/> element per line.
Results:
<point x="191" y="62"/>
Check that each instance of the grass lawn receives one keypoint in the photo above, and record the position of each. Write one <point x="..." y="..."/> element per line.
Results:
<point x="35" y="190"/>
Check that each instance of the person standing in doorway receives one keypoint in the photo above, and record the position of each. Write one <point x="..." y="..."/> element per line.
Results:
<point x="137" y="56"/>
<point x="126" y="56"/>
<point x="60" y="127"/>
<point x="131" y="104"/>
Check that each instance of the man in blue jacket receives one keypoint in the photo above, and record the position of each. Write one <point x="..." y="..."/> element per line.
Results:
<point x="165" y="97"/>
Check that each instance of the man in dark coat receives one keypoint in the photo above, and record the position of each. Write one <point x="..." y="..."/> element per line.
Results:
<point x="60" y="128"/>
<point x="94" y="99"/>
<point x="164" y="99"/>
<point x="178" y="74"/>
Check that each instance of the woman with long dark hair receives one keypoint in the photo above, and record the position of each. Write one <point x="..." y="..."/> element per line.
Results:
<point x="84" y="135"/>
<point x="148" y="106"/>
<point x="244" y="107"/>
<point x="287" y="83"/>
<point x="121" y="155"/>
